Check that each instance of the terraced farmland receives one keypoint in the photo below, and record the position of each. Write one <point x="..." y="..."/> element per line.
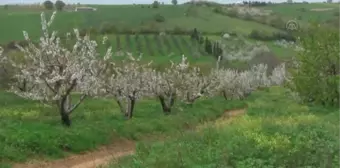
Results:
<point x="153" y="45"/>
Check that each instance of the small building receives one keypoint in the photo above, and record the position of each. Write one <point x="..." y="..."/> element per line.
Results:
<point x="85" y="9"/>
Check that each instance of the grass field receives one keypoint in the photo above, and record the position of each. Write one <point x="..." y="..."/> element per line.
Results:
<point x="153" y="45"/>
<point x="14" y="21"/>
<point x="306" y="12"/>
<point x="273" y="124"/>
<point x="29" y="130"/>
<point x="275" y="132"/>
<point x="160" y="49"/>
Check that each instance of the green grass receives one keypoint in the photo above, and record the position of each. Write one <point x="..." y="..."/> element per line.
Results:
<point x="29" y="130"/>
<point x="293" y="11"/>
<point x="275" y="132"/>
<point x="160" y="59"/>
<point x="281" y="52"/>
<point x="15" y="21"/>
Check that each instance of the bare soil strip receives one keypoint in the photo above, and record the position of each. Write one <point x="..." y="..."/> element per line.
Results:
<point x="91" y="159"/>
<point x="321" y="9"/>
<point x="106" y="154"/>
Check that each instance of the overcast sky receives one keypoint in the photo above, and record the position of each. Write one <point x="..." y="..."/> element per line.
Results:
<point x="130" y="1"/>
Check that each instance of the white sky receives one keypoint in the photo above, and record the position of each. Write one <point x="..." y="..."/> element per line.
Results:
<point x="129" y="1"/>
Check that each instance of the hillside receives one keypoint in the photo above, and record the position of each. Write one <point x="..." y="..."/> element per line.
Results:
<point x="191" y="86"/>
<point x="306" y="12"/>
<point x="121" y="18"/>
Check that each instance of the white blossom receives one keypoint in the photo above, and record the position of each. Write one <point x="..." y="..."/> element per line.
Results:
<point x="55" y="71"/>
<point x="242" y="50"/>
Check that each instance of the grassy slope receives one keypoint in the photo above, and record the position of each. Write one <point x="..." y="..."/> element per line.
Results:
<point x="14" y="21"/>
<point x="281" y="52"/>
<point x="275" y="132"/>
<point x="293" y="11"/>
<point x="29" y="130"/>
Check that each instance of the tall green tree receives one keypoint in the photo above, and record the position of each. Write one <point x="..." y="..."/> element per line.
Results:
<point x="48" y="5"/>
<point x="155" y="4"/>
<point x="315" y="74"/>
<point x="59" y="5"/>
<point x="195" y="35"/>
<point x="174" y="2"/>
<point x="207" y="46"/>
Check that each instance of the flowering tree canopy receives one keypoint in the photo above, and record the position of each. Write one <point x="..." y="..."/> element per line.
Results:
<point x="55" y="71"/>
<point x="126" y="82"/>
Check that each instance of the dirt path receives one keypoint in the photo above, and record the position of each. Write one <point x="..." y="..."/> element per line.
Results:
<point x="105" y="155"/>
<point x="91" y="159"/>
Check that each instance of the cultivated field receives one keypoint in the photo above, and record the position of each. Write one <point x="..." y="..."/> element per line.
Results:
<point x="122" y="18"/>
<point x="248" y="93"/>
<point x="307" y="12"/>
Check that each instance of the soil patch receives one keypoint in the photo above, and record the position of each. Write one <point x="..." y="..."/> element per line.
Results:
<point x="91" y="159"/>
<point x="321" y="9"/>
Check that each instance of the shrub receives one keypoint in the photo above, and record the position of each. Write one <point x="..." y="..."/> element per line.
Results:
<point x="148" y="31"/>
<point x="179" y="31"/>
<point x="247" y="16"/>
<point x="93" y="31"/>
<point x="299" y="17"/>
<point x="260" y="35"/>
<point x="284" y="36"/>
<point x="159" y="18"/>
<point x="336" y="13"/>
<point x="218" y="10"/>
<point x="277" y="22"/>
<point x="302" y="9"/>
<point x="232" y="13"/>
<point x="315" y="76"/>
<point x="264" y="36"/>
<point x="107" y="28"/>
<point x="262" y="19"/>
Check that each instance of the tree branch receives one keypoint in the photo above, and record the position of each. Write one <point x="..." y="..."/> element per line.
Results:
<point x="50" y="87"/>
<point x="69" y="111"/>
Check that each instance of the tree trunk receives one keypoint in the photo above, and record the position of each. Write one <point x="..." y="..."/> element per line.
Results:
<point x="121" y="106"/>
<point x="65" y="119"/>
<point x="131" y="105"/>
<point x="165" y="107"/>
<point x="64" y="105"/>
<point x="225" y="95"/>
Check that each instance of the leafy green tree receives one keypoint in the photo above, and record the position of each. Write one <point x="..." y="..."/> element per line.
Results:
<point x="155" y="4"/>
<point x="174" y="2"/>
<point x="315" y="74"/>
<point x="59" y="5"/>
<point x="195" y="35"/>
<point x="216" y="49"/>
<point x="207" y="46"/>
<point x="48" y="5"/>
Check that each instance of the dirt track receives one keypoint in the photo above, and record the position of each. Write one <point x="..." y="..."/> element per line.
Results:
<point x="106" y="154"/>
